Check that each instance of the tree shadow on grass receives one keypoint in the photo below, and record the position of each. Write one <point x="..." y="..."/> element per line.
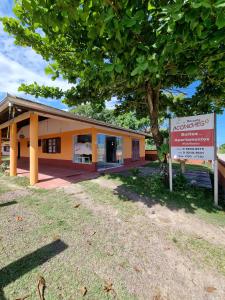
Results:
<point x="150" y="190"/>
<point x="18" y="268"/>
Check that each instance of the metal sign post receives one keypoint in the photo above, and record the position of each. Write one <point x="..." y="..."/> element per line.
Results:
<point x="215" y="165"/>
<point x="170" y="160"/>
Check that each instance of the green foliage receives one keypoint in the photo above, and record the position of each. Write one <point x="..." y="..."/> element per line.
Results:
<point x="222" y="149"/>
<point x="179" y="182"/>
<point x="126" y="120"/>
<point x="135" y="172"/>
<point x="162" y="151"/>
<point x="133" y="50"/>
<point x="4" y="166"/>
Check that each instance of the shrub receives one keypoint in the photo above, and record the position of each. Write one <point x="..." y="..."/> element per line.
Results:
<point x="135" y="172"/>
<point x="179" y="182"/>
<point x="4" y="166"/>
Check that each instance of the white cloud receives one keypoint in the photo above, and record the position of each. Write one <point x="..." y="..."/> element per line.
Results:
<point x="22" y="65"/>
<point x="12" y="74"/>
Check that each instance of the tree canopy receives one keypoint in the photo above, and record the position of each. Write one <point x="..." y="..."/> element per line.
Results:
<point x="126" y="120"/>
<point x="222" y="149"/>
<point x="135" y="50"/>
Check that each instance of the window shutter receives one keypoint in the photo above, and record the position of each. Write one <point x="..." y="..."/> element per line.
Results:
<point x="44" y="146"/>
<point x="58" y="145"/>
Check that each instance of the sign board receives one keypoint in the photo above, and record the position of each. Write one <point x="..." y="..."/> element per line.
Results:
<point x="193" y="137"/>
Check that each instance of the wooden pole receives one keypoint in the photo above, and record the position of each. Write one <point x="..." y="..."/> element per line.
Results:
<point x="13" y="149"/>
<point x="33" y="148"/>
<point x="0" y="146"/>
<point x="170" y="159"/>
<point x="215" y="166"/>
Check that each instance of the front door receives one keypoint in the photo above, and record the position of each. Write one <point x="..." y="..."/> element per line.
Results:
<point x="135" y="150"/>
<point x="111" y="149"/>
<point x="18" y="153"/>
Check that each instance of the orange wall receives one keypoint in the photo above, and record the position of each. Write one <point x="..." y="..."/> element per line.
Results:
<point x="67" y="143"/>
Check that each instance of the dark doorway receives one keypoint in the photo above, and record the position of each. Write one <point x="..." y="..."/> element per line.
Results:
<point x="135" y="150"/>
<point x="111" y="149"/>
<point x="18" y="155"/>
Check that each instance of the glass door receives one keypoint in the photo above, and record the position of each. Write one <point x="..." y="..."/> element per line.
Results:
<point x="119" y="150"/>
<point x="110" y="151"/>
<point x="101" y="148"/>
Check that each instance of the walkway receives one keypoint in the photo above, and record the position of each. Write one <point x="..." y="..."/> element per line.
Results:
<point x="51" y="177"/>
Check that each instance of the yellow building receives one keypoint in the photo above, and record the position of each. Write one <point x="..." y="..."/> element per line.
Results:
<point x="45" y="135"/>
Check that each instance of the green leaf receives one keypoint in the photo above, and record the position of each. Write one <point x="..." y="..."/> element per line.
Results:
<point x="140" y="59"/>
<point x="108" y="67"/>
<point x="128" y="22"/>
<point x="102" y="29"/>
<point x="49" y="70"/>
<point x="139" y="15"/>
<point x="144" y="66"/>
<point x="150" y="6"/>
<point x="135" y="71"/>
<point x="220" y="20"/>
<point x="119" y="68"/>
<point x="191" y="69"/>
<point x="220" y="3"/>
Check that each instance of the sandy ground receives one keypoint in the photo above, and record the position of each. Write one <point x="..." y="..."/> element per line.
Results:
<point x="161" y="269"/>
<point x="137" y="249"/>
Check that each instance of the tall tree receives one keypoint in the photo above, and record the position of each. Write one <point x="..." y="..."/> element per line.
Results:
<point x="222" y="149"/>
<point x="126" y="120"/>
<point x="132" y="49"/>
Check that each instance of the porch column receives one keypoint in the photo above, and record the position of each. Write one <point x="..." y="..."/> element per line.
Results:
<point x="0" y="146"/>
<point x="94" y="148"/>
<point x="13" y="149"/>
<point x="33" y="148"/>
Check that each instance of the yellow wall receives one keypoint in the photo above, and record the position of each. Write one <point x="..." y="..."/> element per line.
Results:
<point x="67" y="143"/>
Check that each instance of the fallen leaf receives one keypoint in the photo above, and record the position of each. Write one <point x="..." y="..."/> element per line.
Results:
<point x="23" y="298"/>
<point x="198" y="237"/>
<point x="19" y="218"/>
<point x="77" y="205"/>
<point x="93" y="233"/>
<point x="108" y="287"/>
<point x="41" y="288"/>
<point x="83" y="290"/>
<point x="210" y="289"/>
<point x="137" y="269"/>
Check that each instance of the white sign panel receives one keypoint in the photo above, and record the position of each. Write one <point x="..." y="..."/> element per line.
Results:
<point x="193" y="137"/>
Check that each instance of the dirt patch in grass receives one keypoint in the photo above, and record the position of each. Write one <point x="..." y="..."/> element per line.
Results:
<point x="162" y="215"/>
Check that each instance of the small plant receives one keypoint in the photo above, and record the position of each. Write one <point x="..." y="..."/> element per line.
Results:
<point x="174" y="239"/>
<point x="4" y="166"/>
<point x="179" y="182"/>
<point x="135" y="172"/>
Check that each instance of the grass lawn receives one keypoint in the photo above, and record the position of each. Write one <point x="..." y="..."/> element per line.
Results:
<point x="193" y="200"/>
<point x="189" y="167"/>
<point x="90" y="241"/>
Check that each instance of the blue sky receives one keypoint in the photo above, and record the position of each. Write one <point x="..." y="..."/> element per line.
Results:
<point x="22" y="65"/>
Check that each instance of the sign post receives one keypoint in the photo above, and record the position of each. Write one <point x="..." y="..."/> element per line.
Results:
<point x="170" y="161"/>
<point x="215" y="166"/>
<point x="194" y="138"/>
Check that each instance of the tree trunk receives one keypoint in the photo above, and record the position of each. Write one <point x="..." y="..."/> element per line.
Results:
<point x="152" y="95"/>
